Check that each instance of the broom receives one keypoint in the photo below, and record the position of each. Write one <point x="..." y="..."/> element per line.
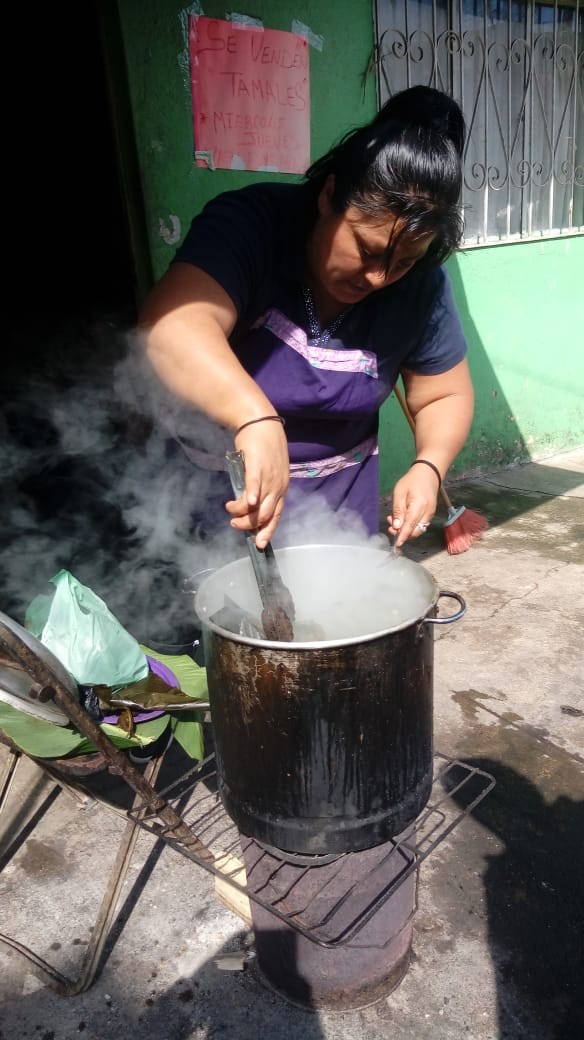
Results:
<point x="462" y="526"/>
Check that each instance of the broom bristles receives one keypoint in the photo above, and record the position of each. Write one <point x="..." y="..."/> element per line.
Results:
<point x="462" y="529"/>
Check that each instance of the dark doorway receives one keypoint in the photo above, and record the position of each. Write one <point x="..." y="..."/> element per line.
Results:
<point x="70" y="297"/>
<point x="66" y="232"/>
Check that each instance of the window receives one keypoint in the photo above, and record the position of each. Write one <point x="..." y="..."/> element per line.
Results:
<point x="517" y="69"/>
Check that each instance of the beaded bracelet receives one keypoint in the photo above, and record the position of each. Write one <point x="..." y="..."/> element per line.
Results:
<point x="425" y="462"/>
<point x="262" y="418"/>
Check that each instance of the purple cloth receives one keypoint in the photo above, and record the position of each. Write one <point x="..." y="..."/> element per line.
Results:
<point x="164" y="673"/>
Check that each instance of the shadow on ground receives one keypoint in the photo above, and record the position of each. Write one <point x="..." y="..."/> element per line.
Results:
<point x="534" y="892"/>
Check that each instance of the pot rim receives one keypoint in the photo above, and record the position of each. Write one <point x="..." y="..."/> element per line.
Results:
<point x="319" y="644"/>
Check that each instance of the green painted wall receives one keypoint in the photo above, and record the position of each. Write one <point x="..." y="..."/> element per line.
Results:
<point x="522" y="308"/>
<point x="522" y="305"/>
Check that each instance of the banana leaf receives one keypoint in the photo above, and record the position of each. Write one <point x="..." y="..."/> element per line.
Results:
<point x="149" y="694"/>
<point x="187" y="728"/>
<point x="46" y="740"/>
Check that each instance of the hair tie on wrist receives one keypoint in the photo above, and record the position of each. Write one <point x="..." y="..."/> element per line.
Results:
<point x="262" y="418"/>
<point x="425" y="462"/>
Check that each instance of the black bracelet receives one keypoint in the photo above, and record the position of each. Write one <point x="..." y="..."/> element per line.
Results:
<point x="425" y="462"/>
<point x="262" y="418"/>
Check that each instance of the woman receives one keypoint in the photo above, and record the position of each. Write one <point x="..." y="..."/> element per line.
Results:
<point x="305" y="302"/>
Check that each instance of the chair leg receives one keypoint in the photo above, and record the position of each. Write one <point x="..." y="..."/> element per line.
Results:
<point x="8" y="774"/>
<point x="59" y="982"/>
<point x="112" y="894"/>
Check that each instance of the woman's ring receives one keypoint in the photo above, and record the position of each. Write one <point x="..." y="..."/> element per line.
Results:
<point x="423" y="527"/>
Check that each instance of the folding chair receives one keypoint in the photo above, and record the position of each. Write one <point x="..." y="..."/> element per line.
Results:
<point x="49" y="681"/>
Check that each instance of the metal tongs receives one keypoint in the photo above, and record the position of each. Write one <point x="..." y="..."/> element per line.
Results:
<point x="278" y="606"/>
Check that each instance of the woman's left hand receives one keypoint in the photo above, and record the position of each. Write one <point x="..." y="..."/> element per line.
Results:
<point x="413" y="504"/>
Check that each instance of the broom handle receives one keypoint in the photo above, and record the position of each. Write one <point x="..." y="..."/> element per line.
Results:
<point x="404" y="407"/>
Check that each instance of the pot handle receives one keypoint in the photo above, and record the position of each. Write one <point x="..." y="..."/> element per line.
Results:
<point x="452" y="617"/>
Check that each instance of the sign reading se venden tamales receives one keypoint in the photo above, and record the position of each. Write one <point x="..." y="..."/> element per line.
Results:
<point x="251" y="97"/>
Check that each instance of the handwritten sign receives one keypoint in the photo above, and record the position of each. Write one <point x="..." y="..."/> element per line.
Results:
<point x="251" y="97"/>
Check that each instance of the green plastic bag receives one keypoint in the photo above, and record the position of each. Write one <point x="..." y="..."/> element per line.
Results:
<point x="86" y="637"/>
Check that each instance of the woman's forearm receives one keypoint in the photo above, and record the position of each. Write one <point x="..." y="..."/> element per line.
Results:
<point x="184" y="328"/>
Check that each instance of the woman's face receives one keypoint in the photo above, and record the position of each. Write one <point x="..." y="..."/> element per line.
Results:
<point x="346" y="251"/>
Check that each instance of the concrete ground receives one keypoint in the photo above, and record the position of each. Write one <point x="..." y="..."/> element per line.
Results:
<point x="497" y="947"/>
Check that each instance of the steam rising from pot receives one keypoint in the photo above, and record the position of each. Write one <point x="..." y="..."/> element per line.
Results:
<point x="97" y="479"/>
<point x="341" y="593"/>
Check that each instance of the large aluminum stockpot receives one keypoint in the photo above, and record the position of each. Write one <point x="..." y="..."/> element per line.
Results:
<point x="325" y="744"/>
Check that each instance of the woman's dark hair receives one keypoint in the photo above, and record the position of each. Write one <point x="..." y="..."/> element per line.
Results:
<point x="406" y="161"/>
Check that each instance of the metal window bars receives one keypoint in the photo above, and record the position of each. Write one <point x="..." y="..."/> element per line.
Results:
<point x="517" y="70"/>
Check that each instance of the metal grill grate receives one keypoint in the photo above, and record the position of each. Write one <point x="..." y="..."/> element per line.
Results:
<point x="337" y="905"/>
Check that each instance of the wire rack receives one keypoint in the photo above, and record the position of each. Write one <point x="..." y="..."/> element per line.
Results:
<point x="327" y="899"/>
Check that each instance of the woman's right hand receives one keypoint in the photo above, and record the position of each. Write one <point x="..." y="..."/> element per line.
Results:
<point x="267" y="475"/>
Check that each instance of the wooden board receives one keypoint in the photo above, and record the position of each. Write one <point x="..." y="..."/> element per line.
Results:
<point x="236" y="901"/>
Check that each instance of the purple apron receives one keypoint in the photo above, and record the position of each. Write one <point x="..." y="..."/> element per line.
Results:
<point x="330" y="398"/>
